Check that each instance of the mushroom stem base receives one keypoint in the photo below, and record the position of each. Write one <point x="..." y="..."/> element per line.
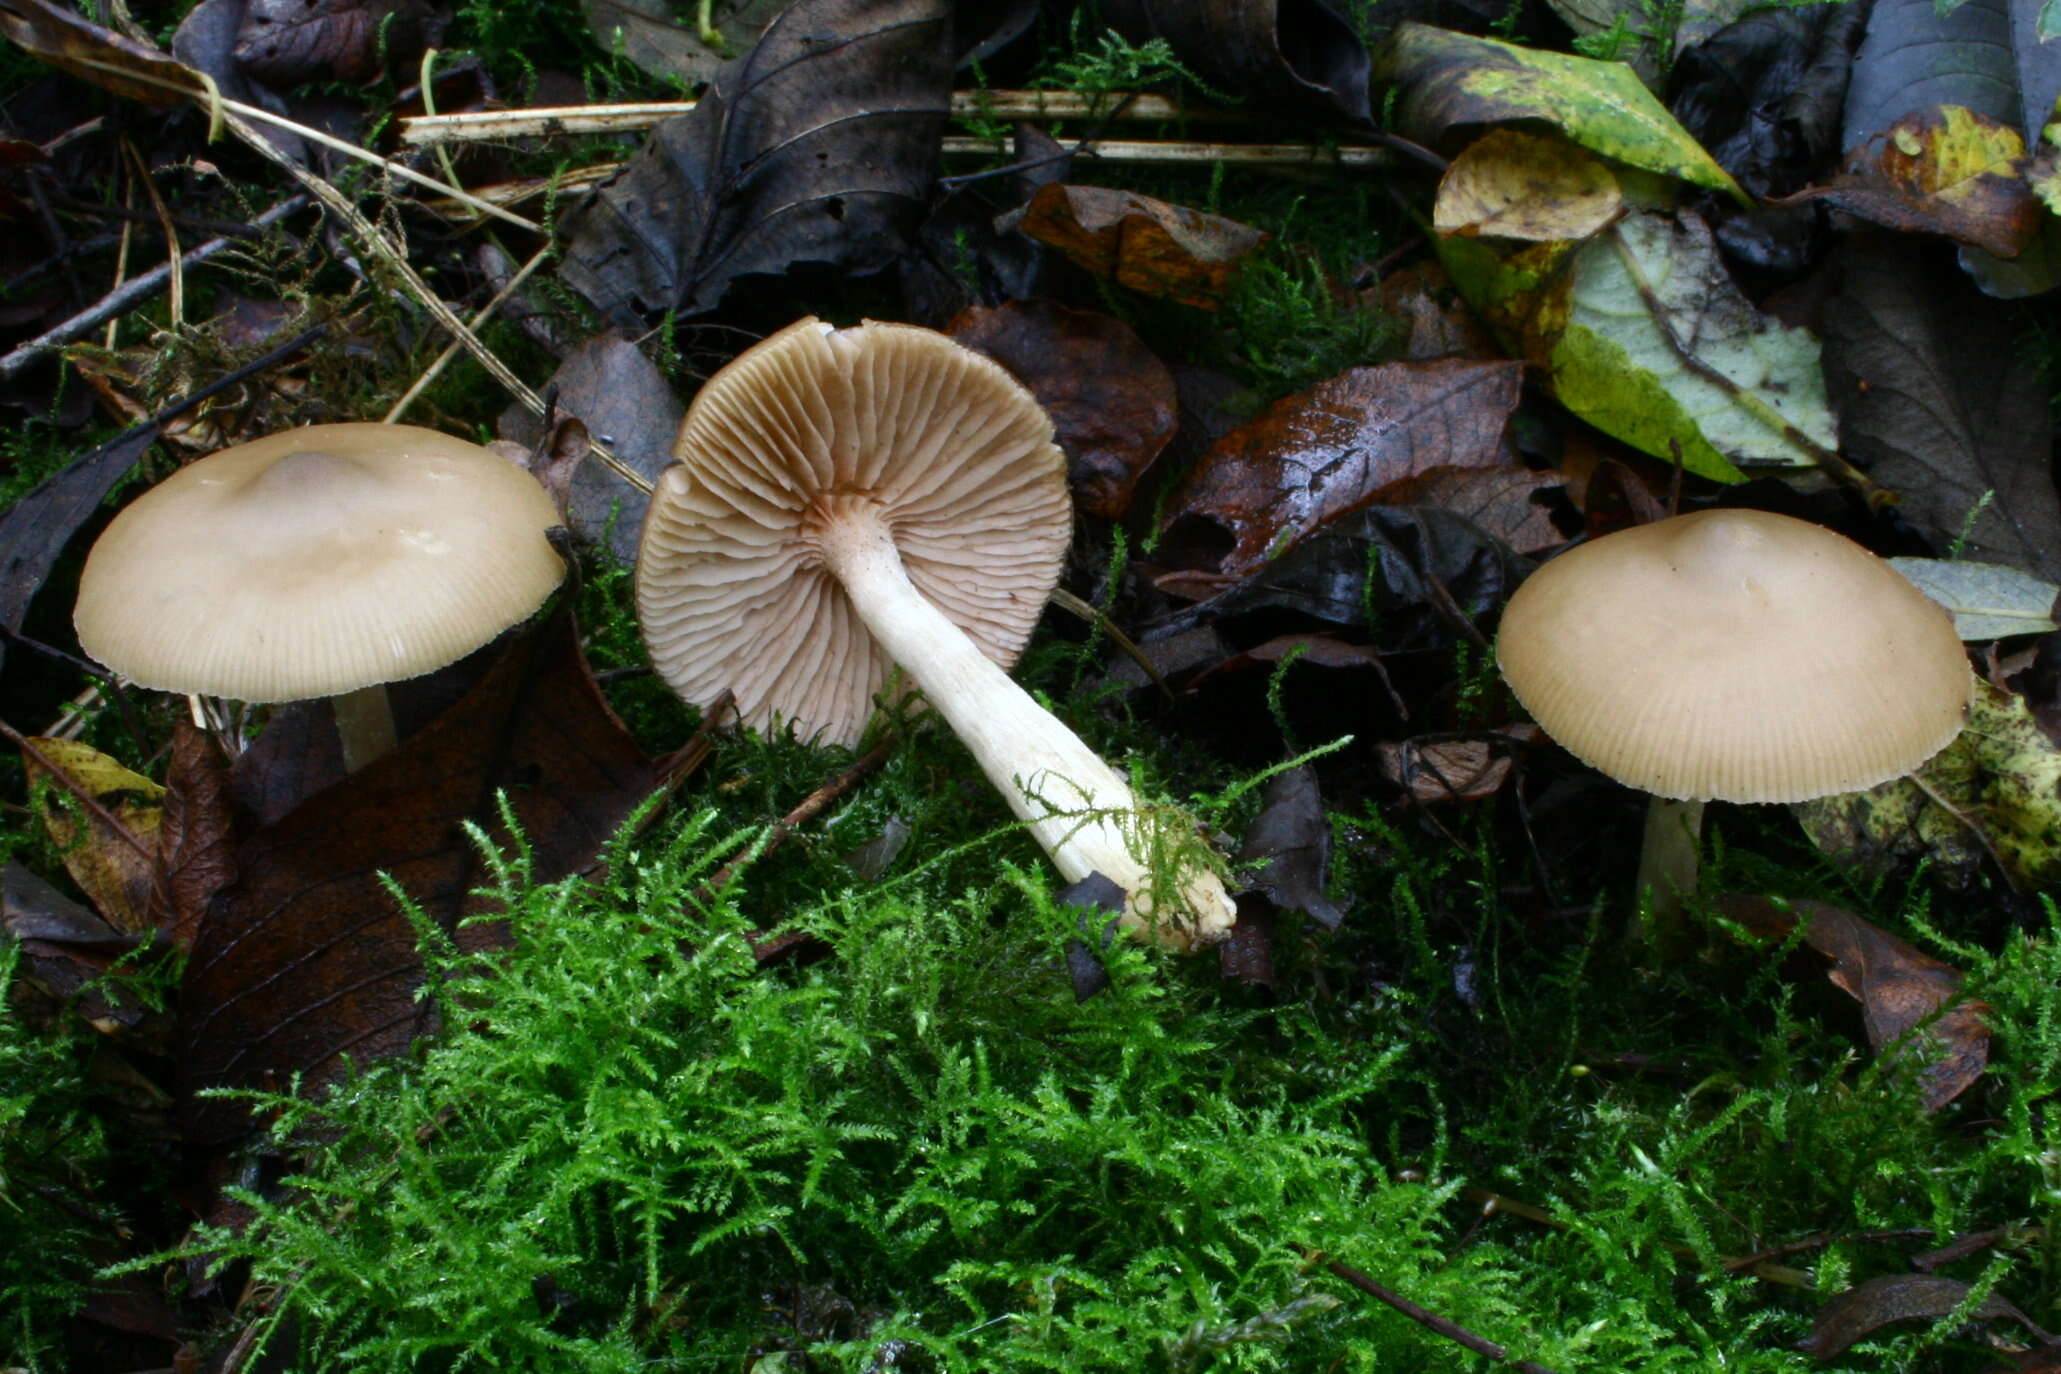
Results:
<point x="1079" y="809"/>
<point x="1669" y="859"/>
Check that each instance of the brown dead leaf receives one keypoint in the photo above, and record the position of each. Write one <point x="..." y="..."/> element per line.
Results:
<point x="65" y="951"/>
<point x="305" y="959"/>
<point x="1945" y="170"/>
<point x="1436" y="772"/>
<point x="1898" y="986"/>
<point x="66" y="40"/>
<point x="1502" y="500"/>
<point x="1151" y="247"/>
<point x="1535" y="187"/>
<point x="1111" y="399"/>
<point x="112" y="863"/>
<point x="285" y="42"/>
<point x="1865" y="1307"/>
<point x="1291" y="837"/>
<point x="197" y="837"/>
<point x="1438" y="322"/>
<point x="1343" y="445"/>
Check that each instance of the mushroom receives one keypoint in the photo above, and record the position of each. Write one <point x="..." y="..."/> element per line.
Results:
<point x="849" y="500"/>
<point x="1731" y="655"/>
<point x="319" y="562"/>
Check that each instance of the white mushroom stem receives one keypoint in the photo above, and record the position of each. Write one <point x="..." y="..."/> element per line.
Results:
<point x="1078" y="807"/>
<point x="364" y="725"/>
<point x="1670" y="857"/>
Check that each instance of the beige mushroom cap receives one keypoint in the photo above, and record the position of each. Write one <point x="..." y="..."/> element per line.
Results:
<point x="315" y="562"/>
<point x="1735" y="655"/>
<point x="955" y="454"/>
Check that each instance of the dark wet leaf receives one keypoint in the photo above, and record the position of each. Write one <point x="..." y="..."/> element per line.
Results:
<point x="1111" y="399"/>
<point x="1944" y="171"/>
<point x="1303" y="51"/>
<point x="1291" y="839"/>
<point x="35" y="529"/>
<point x="1938" y="401"/>
<point x="295" y="757"/>
<point x="1898" y="986"/>
<point x="197" y="836"/>
<point x="648" y="34"/>
<point x="1342" y="445"/>
<point x="286" y="42"/>
<point x="1767" y="94"/>
<point x="627" y="404"/>
<point x="816" y="147"/>
<point x="1508" y="502"/>
<point x="1154" y="248"/>
<point x="1984" y="55"/>
<point x="1247" y="953"/>
<point x="1866" y="1307"/>
<point x="1100" y="904"/>
<point x="305" y="958"/>
<point x="1404" y="572"/>
<point x="206" y="41"/>
<point x="66" y="950"/>
<point x="109" y="60"/>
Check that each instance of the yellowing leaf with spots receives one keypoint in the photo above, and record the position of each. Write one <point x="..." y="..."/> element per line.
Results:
<point x="114" y="867"/>
<point x="1516" y="185"/>
<point x="1641" y="332"/>
<point x="1947" y="171"/>
<point x="1446" y="80"/>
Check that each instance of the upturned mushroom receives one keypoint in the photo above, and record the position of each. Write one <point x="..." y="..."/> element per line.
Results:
<point x="1731" y="655"/>
<point x="319" y="562"/>
<point x="848" y="500"/>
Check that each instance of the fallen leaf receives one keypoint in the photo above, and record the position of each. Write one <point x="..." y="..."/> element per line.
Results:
<point x="1441" y="771"/>
<point x="1305" y="52"/>
<point x="1154" y="248"/>
<point x="646" y="33"/>
<point x="196" y="838"/>
<point x="305" y="959"/>
<point x="1111" y="399"/>
<point x="113" y="867"/>
<point x="286" y="42"/>
<point x="1643" y="334"/>
<point x="1988" y="600"/>
<point x="1514" y="185"/>
<point x="1246" y="955"/>
<point x="1440" y="324"/>
<point x="1899" y="987"/>
<point x="2002" y="778"/>
<point x="1449" y="82"/>
<point x="66" y="952"/>
<point x="818" y="146"/>
<point x="1947" y="171"/>
<point x="1940" y="404"/>
<point x="1875" y="1303"/>
<point x="1505" y="501"/>
<point x="1320" y="455"/>
<point x="1291" y="839"/>
<point x="35" y="529"/>
<point x="1766" y="95"/>
<point x="112" y="61"/>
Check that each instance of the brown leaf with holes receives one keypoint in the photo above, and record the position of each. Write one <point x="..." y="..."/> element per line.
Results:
<point x="1866" y="1307"/>
<point x="1344" y="444"/>
<point x="1898" y="986"/>
<point x="1437" y="772"/>
<point x="197" y="836"/>
<point x="306" y="959"/>
<point x="1111" y="399"/>
<point x="1151" y="247"/>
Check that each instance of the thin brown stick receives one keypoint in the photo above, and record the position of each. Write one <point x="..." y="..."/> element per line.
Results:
<point x="80" y="794"/>
<point x="130" y="293"/>
<point x="1424" y="1317"/>
<point x="807" y="810"/>
<point x="451" y="350"/>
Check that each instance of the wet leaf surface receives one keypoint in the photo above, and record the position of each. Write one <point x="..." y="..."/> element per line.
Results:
<point x="1514" y="185"/>
<point x="1303" y="51"/>
<point x="1937" y="400"/>
<point x="1111" y="399"/>
<point x="1767" y="94"/>
<point x="112" y="61"/>
<point x="1899" y="986"/>
<point x="112" y="863"/>
<point x="1154" y="248"/>
<point x="1988" y="600"/>
<point x="815" y="147"/>
<point x="648" y="33"/>
<point x="306" y="959"/>
<point x="1291" y="841"/>
<point x="1866" y="1307"/>
<point x="1342" y="445"/>
<point x="35" y="529"/>
<point x="285" y="42"/>
<point x="196" y="838"/>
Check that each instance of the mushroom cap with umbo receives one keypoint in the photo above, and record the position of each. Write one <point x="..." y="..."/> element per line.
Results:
<point x="957" y="456"/>
<point x="315" y="562"/>
<point x="1735" y="655"/>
